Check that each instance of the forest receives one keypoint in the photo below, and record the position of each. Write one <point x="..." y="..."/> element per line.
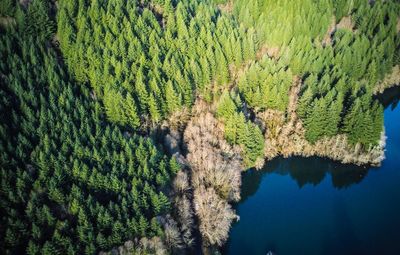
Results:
<point x="95" y="93"/>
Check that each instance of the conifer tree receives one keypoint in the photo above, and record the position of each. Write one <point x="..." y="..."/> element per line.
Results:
<point x="131" y="112"/>
<point x="226" y="106"/>
<point x="316" y="120"/>
<point x="172" y="100"/>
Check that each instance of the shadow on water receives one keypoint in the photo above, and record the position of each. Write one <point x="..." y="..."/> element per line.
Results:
<point x="304" y="171"/>
<point x="390" y="97"/>
<point x="354" y="220"/>
<point x="313" y="170"/>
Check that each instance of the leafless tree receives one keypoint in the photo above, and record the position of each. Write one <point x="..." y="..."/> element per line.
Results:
<point x="172" y="237"/>
<point x="215" y="215"/>
<point x="213" y="161"/>
<point x="286" y="137"/>
<point x="215" y="174"/>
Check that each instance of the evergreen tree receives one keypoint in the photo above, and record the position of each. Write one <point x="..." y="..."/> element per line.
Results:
<point x="171" y="98"/>
<point x="316" y="120"/>
<point x="226" y="107"/>
<point x="131" y="112"/>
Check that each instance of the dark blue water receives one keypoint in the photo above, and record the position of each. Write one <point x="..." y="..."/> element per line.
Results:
<point x="317" y="206"/>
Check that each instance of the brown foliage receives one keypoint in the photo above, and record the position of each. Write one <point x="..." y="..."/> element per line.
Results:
<point x="213" y="161"/>
<point x="226" y="7"/>
<point x="25" y="3"/>
<point x="327" y="40"/>
<point x="185" y="217"/>
<point x="346" y="23"/>
<point x="139" y="247"/>
<point x="215" y="215"/>
<point x="6" y="22"/>
<point x="172" y="237"/>
<point x="272" y="52"/>
<point x="178" y="119"/>
<point x="293" y="98"/>
<point x="215" y="175"/>
<point x="398" y="25"/>
<point x="286" y="137"/>
<point x="183" y="207"/>
<point x="181" y="182"/>
<point x="151" y="246"/>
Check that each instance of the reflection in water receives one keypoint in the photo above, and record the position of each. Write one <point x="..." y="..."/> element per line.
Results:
<point x="313" y="170"/>
<point x="305" y="171"/>
<point x="311" y="205"/>
<point x="390" y="97"/>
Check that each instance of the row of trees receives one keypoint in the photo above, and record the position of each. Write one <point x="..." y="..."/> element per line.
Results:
<point x="150" y="58"/>
<point x="71" y="183"/>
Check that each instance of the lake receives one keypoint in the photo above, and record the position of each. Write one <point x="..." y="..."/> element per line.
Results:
<point x="317" y="206"/>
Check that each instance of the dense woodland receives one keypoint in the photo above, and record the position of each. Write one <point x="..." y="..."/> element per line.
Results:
<point x="339" y="72"/>
<point x="84" y="84"/>
<point x="152" y="55"/>
<point x="71" y="183"/>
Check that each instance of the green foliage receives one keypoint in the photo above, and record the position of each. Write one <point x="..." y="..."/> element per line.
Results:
<point x="7" y="8"/>
<point x="322" y="115"/>
<point x="163" y="57"/>
<point x="131" y="112"/>
<point x="233" y="126"/>
<point x="364" y="121"/>
<point x="266" y="85"/>
<point x="277" y="23"/>
<point x="239" y="131"/>
<point x="226" y="106"/>
<point x="35" y="20"/>
<point x="343" y="8"/>
<point x="351" y="63"/>
<point x="71" y="182"/>
<point x="252" y="139"/>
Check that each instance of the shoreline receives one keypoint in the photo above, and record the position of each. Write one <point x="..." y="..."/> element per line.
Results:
<point x="284" y="137"/>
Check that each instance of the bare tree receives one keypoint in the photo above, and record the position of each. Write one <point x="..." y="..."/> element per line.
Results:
<point x="172" y="237"/>
<point x="214" y="162"/>
<point x="215" y="175"/>
<point x="183" y="207"/>
<point x="139" y="247"/>
<point x="215" y="215"/>
<point x="286" y="137"/>
<point x="181" y="182"/>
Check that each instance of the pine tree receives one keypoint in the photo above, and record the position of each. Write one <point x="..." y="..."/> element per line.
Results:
<point x="131" y="112"/>
<point x="171" y="98"/>
<point x="113" y="102"/>
<point x="7" y="8"/>
<point x="143" y="225"/>
<point x="316" y="120"/>
<point x="253" y="143"/>
<point x="226" y="107"/>
<point x="222" y="67"/>
<point x="141" y="90"/>
<point x="230" y="131"/>
<point x="333" y="114"/>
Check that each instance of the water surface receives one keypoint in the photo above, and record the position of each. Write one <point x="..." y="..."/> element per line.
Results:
<point x="317" y="206"/>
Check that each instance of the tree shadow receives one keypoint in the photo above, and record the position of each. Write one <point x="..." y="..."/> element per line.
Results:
<point x="390" y="97"/>
<point x="305" y="171"/>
